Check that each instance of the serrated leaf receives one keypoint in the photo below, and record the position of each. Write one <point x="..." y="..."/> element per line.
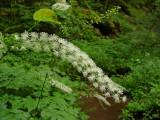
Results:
<point x="15" y="110"/>
<point x="45" y="15"/>
<point x="3" y="107"/>
<point x="60" y="118"/>
<point x="29" y="103"/>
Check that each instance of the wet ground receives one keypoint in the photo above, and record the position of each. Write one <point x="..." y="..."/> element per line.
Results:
<point x="97" y="111"/>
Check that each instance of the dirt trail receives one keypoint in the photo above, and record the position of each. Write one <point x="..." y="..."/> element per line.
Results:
<point x="94" y="109"/>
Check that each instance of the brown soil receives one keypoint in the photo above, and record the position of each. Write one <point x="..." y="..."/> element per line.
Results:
<point x="96" y="111"/>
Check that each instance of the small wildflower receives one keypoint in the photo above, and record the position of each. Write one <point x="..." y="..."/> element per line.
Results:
<point x="95" y="85"/>
<point x="16" y="37"/>
<point x="37" y="47"/>
<point x="117" y="100"/>
<point x="147" y="54"/>
<point x="124" y="99"/>
<point x="102" y="88"/>
<point x="46" y="48"/>
<point x="12" y="48"/>
<point x="55" y="45"/>
<point x="56" y="53"/>
<point x="22" y="48"/>
<point x="107" y="94"/>
<point x="1" y="46"/>
<point x="27" y="43"/>
<point x="34" y="36"/>
<point x="116" y="97"/>
<point x="74" y="63"/>
<point x="91" y="78"/>
<point x="25" y="35"/>
<point x="17" y="48"/>
<point x="43" y="36"/>
<point x="54" y="37"/>
<point x="138" y="60"/>
<point x="79" y="69"/>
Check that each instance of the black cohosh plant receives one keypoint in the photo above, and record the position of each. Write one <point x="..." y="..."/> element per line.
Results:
<point x="68" y="52"/>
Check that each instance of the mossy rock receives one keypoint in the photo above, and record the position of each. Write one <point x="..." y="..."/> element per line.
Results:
<point x="90" y="14"/>
<point x="97" y="32"/>
<point x="111" y="24"/>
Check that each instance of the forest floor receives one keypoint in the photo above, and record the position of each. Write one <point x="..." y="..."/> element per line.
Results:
<point x="96" y="111"/>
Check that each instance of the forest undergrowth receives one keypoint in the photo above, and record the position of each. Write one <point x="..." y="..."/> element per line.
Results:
<point x="42" y="76"/>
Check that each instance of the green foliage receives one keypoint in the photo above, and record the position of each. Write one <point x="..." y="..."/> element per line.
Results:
<point x="75" y="25"/>
<point x="15" y="18"/>
<point x="131" y="59"/>
<point x="21" y="90"/>
<point x="143" y="84"/>
<point x="131" y="62"/>
<point x="142" y="3"/>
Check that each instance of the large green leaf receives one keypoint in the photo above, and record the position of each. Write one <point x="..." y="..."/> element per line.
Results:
<point x="45" y="15"/>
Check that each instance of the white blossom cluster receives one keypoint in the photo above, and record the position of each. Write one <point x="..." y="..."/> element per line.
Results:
<point x="111" y="12"/>
<point x="61" y="86"/>
<point x="33" y="40"/>
<point x="124" y="98"/>
<point x="60" y="6"/>
<point x="98" y="19"/>
<point x="80" y="60"/>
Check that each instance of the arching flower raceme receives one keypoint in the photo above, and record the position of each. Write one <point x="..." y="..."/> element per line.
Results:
<point x="61" y="86"/>
<point x="79" y="59"/>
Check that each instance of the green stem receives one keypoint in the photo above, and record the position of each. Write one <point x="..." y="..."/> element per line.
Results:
<point x="9" y="49"/>
<point x="5" y="54"/>
<point x="33" y="26"/>
<point x="40" y="98"/>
